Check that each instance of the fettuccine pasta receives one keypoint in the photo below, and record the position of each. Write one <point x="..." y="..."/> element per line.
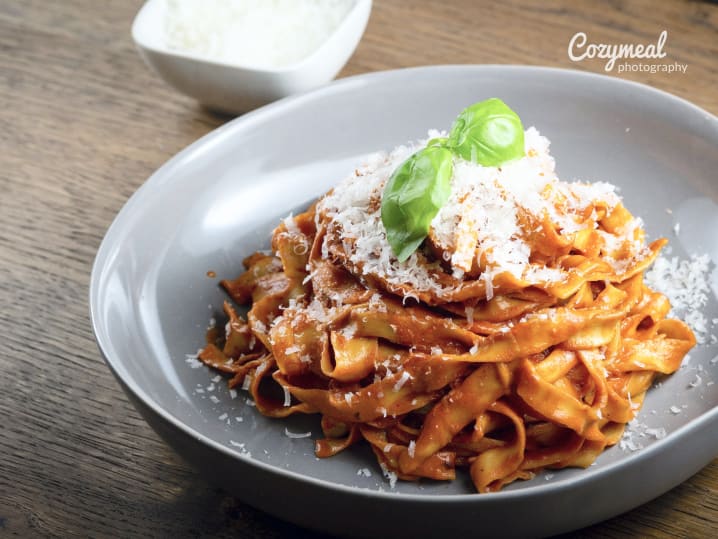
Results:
<point x="519" y="337"/>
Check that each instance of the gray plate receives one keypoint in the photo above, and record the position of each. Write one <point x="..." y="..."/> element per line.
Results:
<point x="218" y="200"/>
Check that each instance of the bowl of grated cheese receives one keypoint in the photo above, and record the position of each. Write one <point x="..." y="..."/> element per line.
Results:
<point x="237" y="55"/>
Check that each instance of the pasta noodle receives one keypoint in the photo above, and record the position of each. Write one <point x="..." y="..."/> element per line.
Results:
<point x="520" y="337"/>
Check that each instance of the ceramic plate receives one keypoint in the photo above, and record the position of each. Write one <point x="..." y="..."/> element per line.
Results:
<point x="217" y="201"/>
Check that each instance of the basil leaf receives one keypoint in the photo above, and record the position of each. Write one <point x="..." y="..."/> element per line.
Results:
<point x="442" y="142"/>
<point x="413" y="196"/>
<point x="488" y="133"/>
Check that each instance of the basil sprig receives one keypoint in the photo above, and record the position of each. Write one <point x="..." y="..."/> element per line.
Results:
<point x="413" y="196"/>
<point x="488" y="133"/>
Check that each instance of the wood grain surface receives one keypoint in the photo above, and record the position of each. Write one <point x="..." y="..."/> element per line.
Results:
<point x="83" y="123"/>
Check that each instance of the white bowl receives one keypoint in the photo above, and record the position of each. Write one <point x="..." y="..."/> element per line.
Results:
<point x="235" y="89"/>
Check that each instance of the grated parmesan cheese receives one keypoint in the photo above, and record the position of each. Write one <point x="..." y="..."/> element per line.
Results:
<point x="485" y="216"/>
<point x="391" y="476"/>
<point x="685" y="284"/>
<point x="252" y="33"/>
<point x="403" y="379"/>
<point x="627" y="442"/>
<point x="630" y="441"/>
<point x="287" y="396"/>
<point x="658" y="433"/>
<point x="193" y="362"/>
<point x="242" y="450"/>
<point x="291" y="224"/>
<point x="296" y="435"/>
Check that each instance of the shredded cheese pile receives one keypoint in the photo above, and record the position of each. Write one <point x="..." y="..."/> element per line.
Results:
<point x="491" y="214"/>
<point x="252" y="33"/>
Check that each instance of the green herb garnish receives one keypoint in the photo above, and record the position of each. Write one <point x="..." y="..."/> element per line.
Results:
<point x="413" y="196"/>
<point x="488" y="133"/>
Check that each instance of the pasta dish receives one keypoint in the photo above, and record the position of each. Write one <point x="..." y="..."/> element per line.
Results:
<point x="517" y="336"/>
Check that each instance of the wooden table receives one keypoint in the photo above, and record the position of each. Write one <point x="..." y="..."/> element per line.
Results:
<point x="83" y="123"/>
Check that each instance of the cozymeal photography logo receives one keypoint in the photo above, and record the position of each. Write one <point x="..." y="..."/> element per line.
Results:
<point x="625" y="57"/>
